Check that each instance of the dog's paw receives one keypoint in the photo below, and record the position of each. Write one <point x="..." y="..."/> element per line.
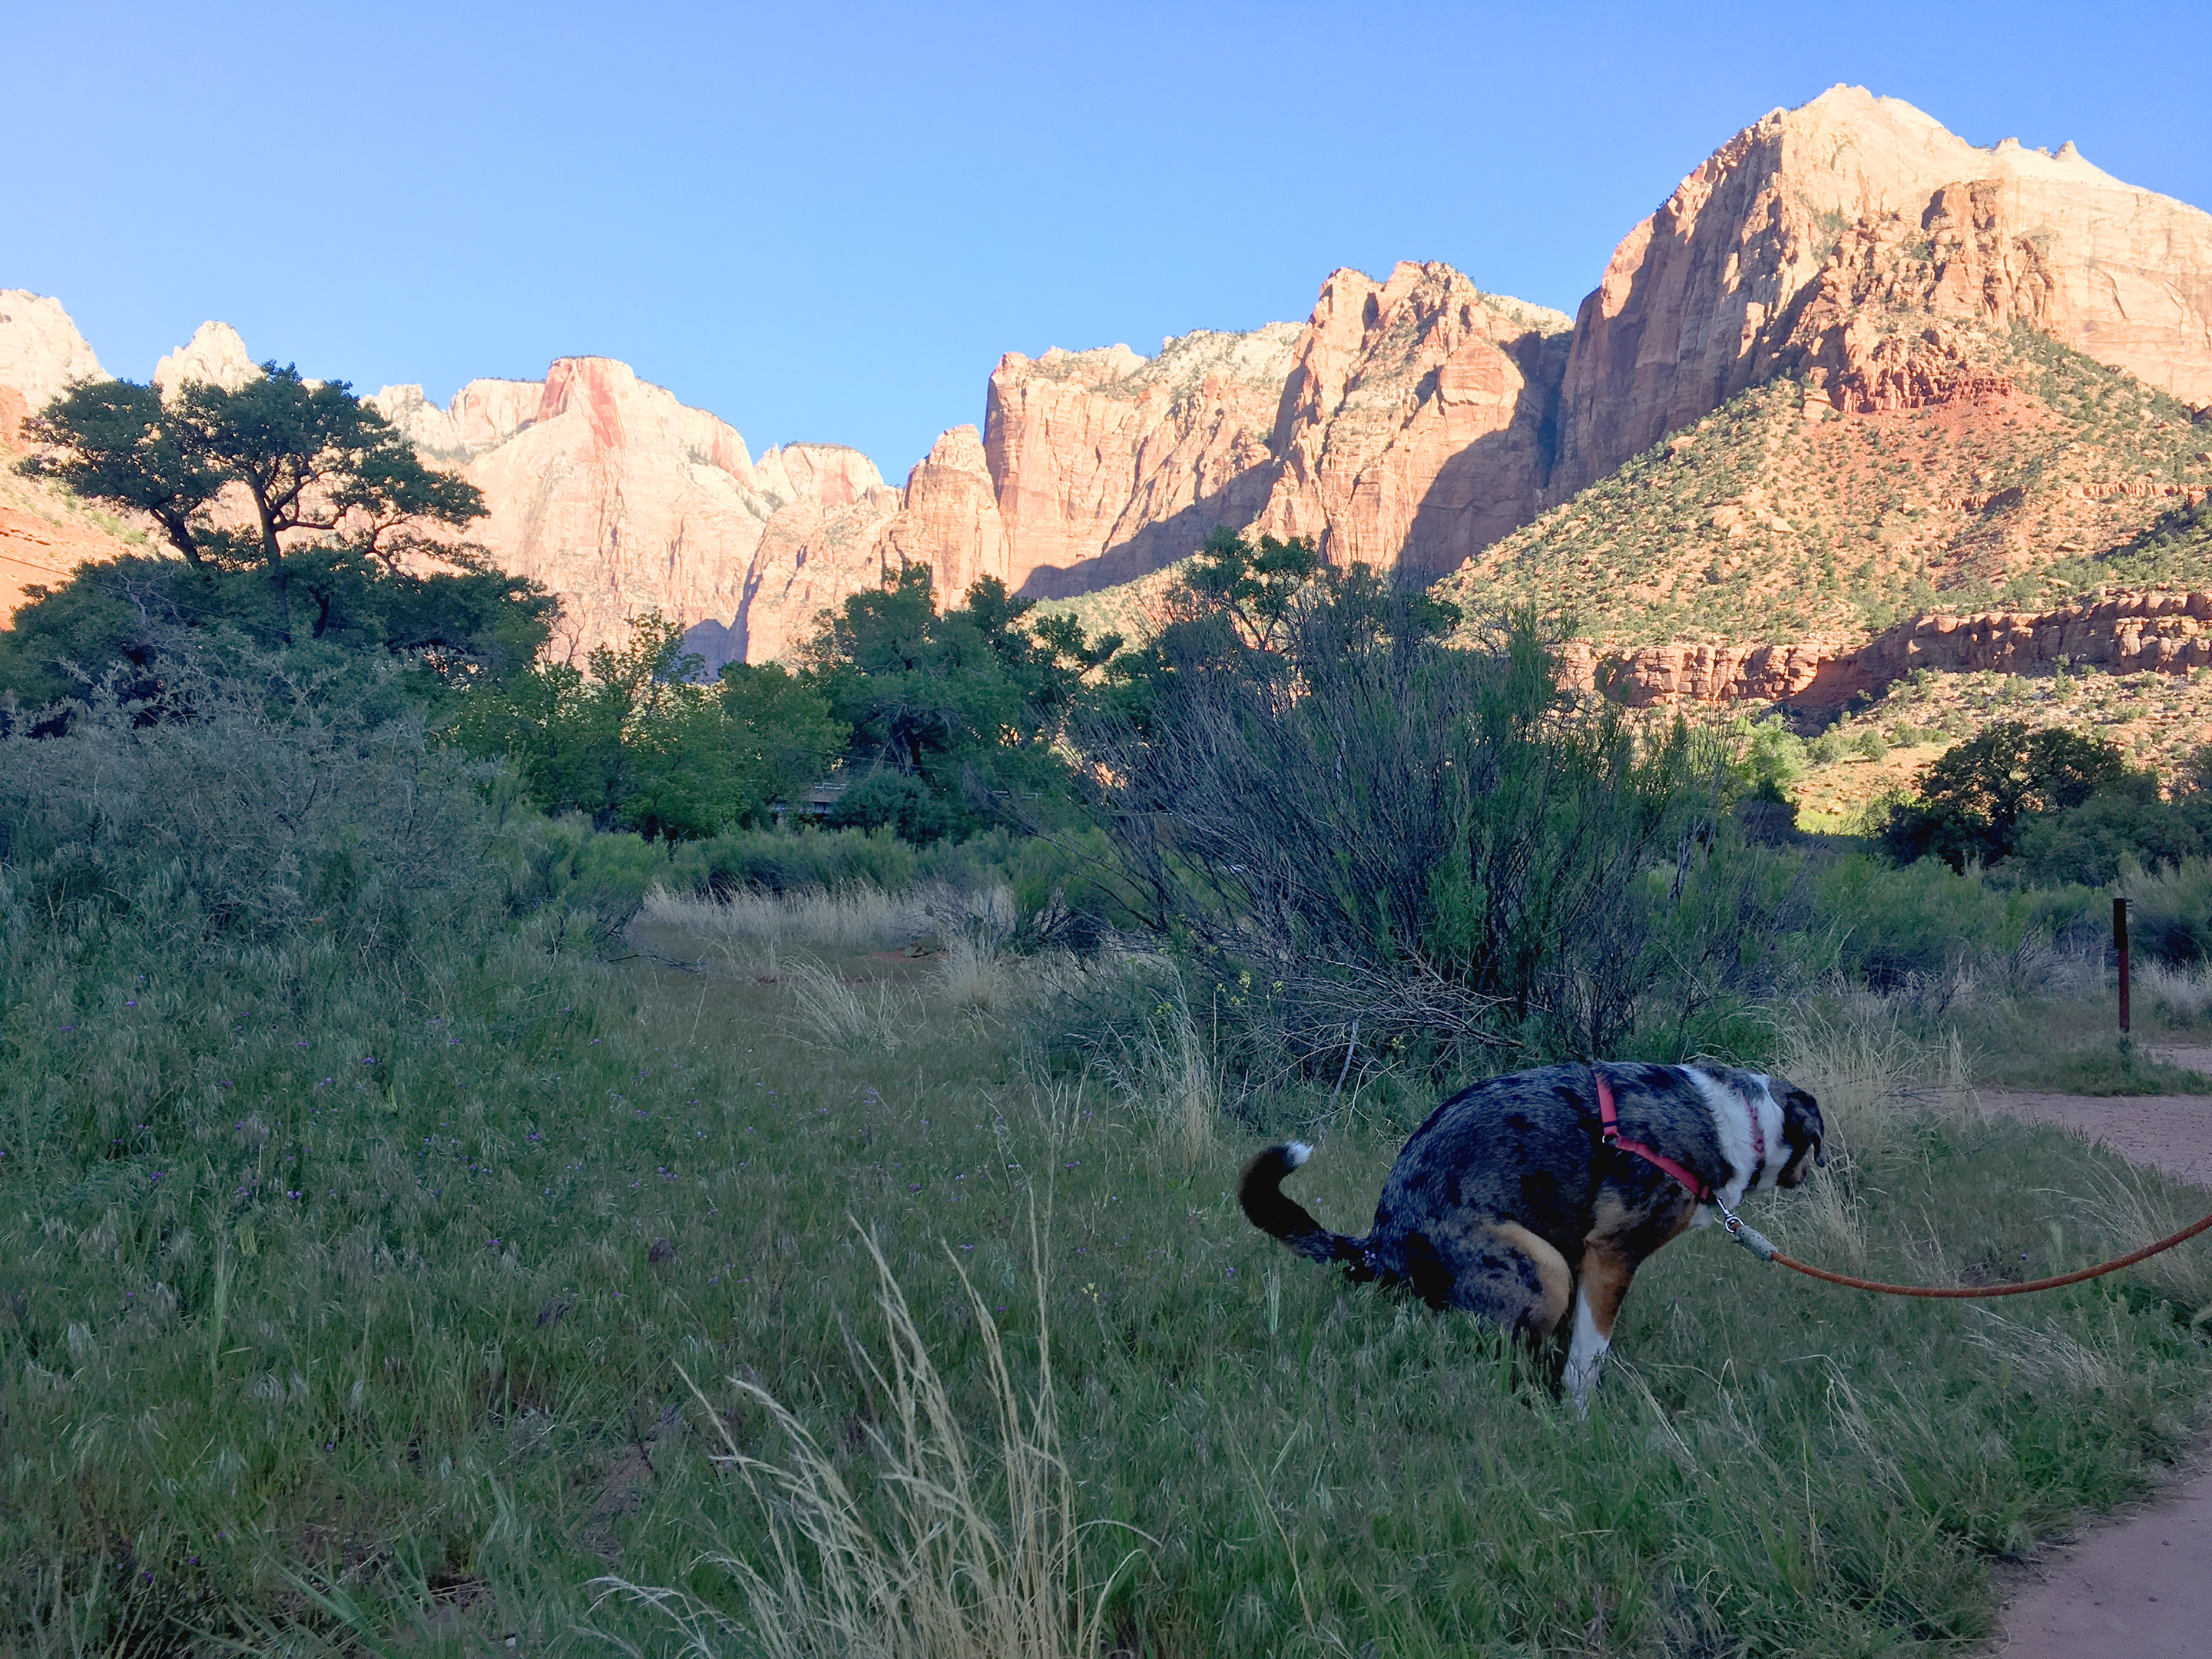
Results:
<point x="1297" y="1153"/>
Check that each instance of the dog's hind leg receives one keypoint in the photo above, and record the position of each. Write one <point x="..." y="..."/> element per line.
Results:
<point x="1497" y="1269"/>
<point x="1605" y="1274"/>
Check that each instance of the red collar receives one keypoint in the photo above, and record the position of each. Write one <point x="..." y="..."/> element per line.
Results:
<point x="1609" y="1125"/>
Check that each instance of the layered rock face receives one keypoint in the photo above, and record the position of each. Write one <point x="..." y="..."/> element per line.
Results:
<point x="621" y="499"/>
<point x="44" y="535"/>
<point x="1701" y="300"/>
<point x="1415" y="425"/>
<point x="2126" y="634"/>
<point x="950" y="519"/>
<point x="1104" y="464"/>
<point x="1406" y="424"/>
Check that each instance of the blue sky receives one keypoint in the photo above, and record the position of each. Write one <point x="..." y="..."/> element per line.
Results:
<point x="827" y="221"/>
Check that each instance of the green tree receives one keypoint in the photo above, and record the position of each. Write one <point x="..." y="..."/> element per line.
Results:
<point x="1972" y="800"/>
<point x="124" y="615"/>
<point x="114" y="441"/>
<point x="1235" y="608"/>
<point x="971" y="701"/>
<point x="636" y="740"/>
<point x="304" y="457"/>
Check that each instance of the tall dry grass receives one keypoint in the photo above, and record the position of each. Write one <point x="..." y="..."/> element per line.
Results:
<point x="859" y="917"/>
<point x="2181" y="996"/>
<point x="830" y="1012"/>
<point x="2130" y="1208"/>
<point x="1873" y="1078"/>
<point x="973" y="1549"/>
<point x="856" y="918"/>
<point x="1164" y="1068"/>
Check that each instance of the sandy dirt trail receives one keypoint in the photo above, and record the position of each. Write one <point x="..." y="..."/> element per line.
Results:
<point x="2138" y="1586"/>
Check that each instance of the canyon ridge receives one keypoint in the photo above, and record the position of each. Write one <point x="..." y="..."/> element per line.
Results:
<point x="2006" y="354"/>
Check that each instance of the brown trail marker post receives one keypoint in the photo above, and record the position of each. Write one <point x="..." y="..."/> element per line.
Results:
<point x="2120" y="941"/>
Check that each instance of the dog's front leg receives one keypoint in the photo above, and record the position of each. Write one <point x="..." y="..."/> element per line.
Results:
<point x="1598" y="1295"/>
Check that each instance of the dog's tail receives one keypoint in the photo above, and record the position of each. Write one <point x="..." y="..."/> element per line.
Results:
<point x="1260" y="1193"/>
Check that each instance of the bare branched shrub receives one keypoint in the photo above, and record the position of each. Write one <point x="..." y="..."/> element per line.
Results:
<point x="970" y="1547"/>
<point x="1368" y="824"/>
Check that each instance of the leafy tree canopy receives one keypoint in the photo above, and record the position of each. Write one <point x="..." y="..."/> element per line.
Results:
<point x="121" y="614"/>
<point x="1974" y="801"/>
<point x="970" y="701"/>
<point x="637" y="740"/>
<point x="1240" y="606"/>
<point x="301" y="457"/>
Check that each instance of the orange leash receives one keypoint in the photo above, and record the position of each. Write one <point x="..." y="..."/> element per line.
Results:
<point x="1763" y="1247"/>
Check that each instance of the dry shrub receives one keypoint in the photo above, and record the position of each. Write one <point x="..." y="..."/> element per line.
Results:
<point x="972" y="1550"/>
<point x="2180" y="996"/>
<point x="973" y="973"/>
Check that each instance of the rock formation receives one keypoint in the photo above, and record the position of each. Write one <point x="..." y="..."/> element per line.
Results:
<point x="2167" y="633"/>
<point x="214" y="356"/>
<point x="44" y="534"/>
<point x="1405" y="423"/>
<point x="40" y="352"/>
<point x="1415" y="425"/>
<point x="1105" y="465"/>
<point x="949" y="518"/>
<point x="1699" y="300"/>
<point x="621" y="499"/>
<point x="1418" y="423"/>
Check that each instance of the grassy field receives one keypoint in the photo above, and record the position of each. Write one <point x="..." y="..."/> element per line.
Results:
<point x="364" y="1311"/>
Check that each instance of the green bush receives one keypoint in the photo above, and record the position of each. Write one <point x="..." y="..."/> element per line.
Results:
<point x="899" y="802"/>
<point x="266" y="815"/>
<point x="787" y="861"/>
<point x="2090" y="843"/>
<point x="2169" y="918"/>
<point x="1351" y="823"/>
<point x="1973" y="800"/>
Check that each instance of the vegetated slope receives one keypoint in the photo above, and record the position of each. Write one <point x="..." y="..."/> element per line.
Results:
<point x="2024" y="482"/>
<point x="2161" y="721"/>
<point x="45" y="533"/>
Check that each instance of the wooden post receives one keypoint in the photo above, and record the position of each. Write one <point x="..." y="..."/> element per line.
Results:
<point x="2120" y="941"/>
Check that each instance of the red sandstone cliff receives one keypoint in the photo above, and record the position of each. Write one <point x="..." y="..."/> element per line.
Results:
<point x="1405" y="422"/>
<point x="44" y="534"/>
<point x="1414" y="427"/>
<point x="1698" y="303"/>
<point x="1414" y="422"/>
<point x="2125" y="633"/>
<point x="621" y="499"/>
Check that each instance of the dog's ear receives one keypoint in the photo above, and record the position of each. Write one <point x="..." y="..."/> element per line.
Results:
<point x="1802" y="1125"/>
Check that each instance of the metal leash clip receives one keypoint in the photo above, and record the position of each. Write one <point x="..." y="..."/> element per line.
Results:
<point x="1750" y="1238"/>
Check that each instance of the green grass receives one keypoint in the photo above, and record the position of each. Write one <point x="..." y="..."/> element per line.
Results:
<point x="2110" y="1065"/>
<point x="431" y="1398"/>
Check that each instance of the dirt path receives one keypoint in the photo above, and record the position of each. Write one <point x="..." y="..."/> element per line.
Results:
<point x="2139" y="1586"/>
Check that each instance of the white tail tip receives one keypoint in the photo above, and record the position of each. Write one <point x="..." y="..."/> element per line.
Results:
<point x="1297" y="1152"/>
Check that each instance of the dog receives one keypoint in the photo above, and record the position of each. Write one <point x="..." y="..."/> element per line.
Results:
<point x="1527" y="1194"/>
